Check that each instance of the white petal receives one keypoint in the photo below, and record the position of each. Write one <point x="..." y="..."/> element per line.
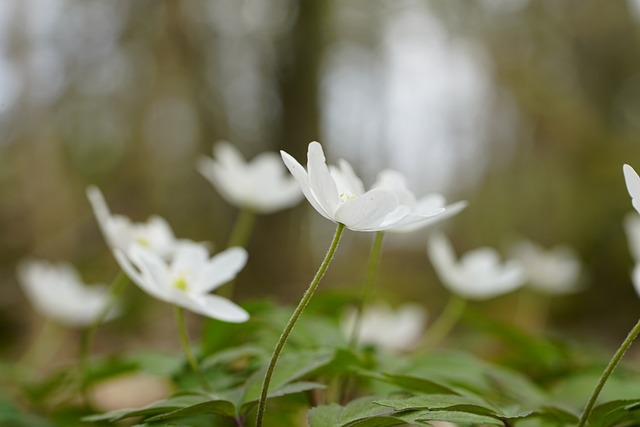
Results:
<point x="367" y="211"/>
<point x="353" y="184"/>
<point x="443" y="258"/>
<point x="219" y="270"/>
<point x="320" y="180"/>
<point x="302" y="178"/>
<point x="101" y="211"/>
<point x="154" y="275"/>
<point x="635" y="276"/>
<point x="215" y="307"/>
<point x="633" y="185"/>
<point x="189" y="258"/>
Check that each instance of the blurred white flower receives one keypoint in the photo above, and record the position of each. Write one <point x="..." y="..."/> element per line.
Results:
<point x="261" y="185"/>
<point x="632" y="229"/>
<point x="56" y="291"/>
<point x="554" y="271"/>
<point x="633" y="185"/>
<point x="187" y="280"/>
<point x="394" y="181"/>
<point x="338" y="195"/>
<point x="121" y="233"/>
<point x="478" y="274"/>
<point x="635" y="278"/>
<point x="382" y="326"/>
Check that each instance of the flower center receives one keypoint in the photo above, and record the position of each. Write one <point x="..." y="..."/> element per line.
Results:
<point x="180" y="283"/>
<point x="143" y="241"/>
<point x="344" y="197"/>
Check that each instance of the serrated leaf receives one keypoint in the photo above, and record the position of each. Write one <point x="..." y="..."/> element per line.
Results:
<point x="470" y="404"/>
<point x="409" y="382"/>
<point x="456" y="417"/>
<point x="157" y="408"/>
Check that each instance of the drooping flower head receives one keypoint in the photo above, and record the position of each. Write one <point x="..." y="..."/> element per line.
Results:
<point x="121" y="233"/>
<point x="56" y="291"/>
<point x="553" y="271"/>
<point x="260" y="185"/>
<point x="338" y="194"/>
<point x="188" y="278"/>
<point x="392" y="329"/>
<point x="478" y="274"/>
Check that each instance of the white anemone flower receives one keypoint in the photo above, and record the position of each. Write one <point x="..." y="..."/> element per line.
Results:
<point x="394" y="181"/>
<point x="260" y="185"/>
<point x="553" y="271"/>
<point x="632" y="180"/>
<point x="188" y="278"/>
<point x="339" y="195"/>
<point x="635" y="278"/>
<point x="632" y="229"/>
<point x="56" y="291"/>
<point x="121" y="233"/>
<point x="397" y="329"/>
<point x="478" y="274"/>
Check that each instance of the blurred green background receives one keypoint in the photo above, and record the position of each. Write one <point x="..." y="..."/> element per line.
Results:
<point x="527" y="109"/>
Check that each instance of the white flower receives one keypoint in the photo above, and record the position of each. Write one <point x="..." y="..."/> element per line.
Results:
<point x="57" y="291"/>
<point x="187" y="280"/>
<point x="633" y="185"/>
<point x="396" y="182"/>
<point x="382" y="326"/>
<point x="478" y="274"/>
<point x="635" y="278"/>
<point x="554" y="271"/>
<point x="121" y="233"/>
<point x="632" y="229"/>
<point x="260" y="185"/>
<point x="338" y="195"/>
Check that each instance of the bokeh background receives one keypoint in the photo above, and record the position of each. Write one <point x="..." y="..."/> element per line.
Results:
<point x="527" y="109"/>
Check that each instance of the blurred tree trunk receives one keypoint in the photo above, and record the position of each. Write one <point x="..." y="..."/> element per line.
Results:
<point x="300" y="79"/>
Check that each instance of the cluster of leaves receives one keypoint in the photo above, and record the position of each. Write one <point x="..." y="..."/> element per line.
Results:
<point x="322" y="381"/>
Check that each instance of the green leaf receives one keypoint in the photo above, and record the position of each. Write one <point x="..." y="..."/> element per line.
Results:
<point x="615" y="412"/>
<point x="469" y="404"/>
<point x="290" y="367"/>
<point x="463" y="418"/>
<point x="362" y="412"/>
<point x="157" y="408"/>
<point x="409" y="382"/>
<point x="212" y="407"/>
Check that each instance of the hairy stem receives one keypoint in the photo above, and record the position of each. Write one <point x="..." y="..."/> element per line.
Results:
<point x="292" y="321"/>
<point x="607" y="372"/>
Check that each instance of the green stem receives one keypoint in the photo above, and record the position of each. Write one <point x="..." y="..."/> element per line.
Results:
<point x="239" y="237"/>
<point x="183" y="334"/>
<point x="446" y="321"/>
<point x="242" y="228"/>
<point x="43" y="347"/>
<point x="292" y="321"/>
<point x="607" y="372"/>
<point x="117" y="287"/>
<point x="367" y="288"/>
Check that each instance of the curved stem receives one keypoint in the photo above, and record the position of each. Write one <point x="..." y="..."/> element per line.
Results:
<point x="183" y="334"/>
<point x="367" y="288"/>
<point x="445" y="322"/>
<point x="607" y="372"/>
<point x="117" y="286"/>
<point x="292" y="321"/>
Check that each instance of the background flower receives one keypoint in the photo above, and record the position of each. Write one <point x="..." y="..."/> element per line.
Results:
<point x="56" y="291"/>
<point x="260" y="185"/>
<point x="386" y="327"/>
<point x="121" y="233"/>
<point x="632" y="180"/>
<point x="554" y="271"/>
<point x="478" y="274"/>
<point x="187" y="280"/>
